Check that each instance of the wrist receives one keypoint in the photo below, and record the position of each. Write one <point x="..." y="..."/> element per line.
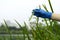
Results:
<point x="49" y="15"/>
<point x="55" y="16"/>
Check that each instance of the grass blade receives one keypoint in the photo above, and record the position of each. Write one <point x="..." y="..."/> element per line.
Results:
<point x="6" y="26"/>
<point x="27" y="31"/>
<point x="31" y="17"/>
<point x="21" y="28"/>
<point x="50" y="6"/>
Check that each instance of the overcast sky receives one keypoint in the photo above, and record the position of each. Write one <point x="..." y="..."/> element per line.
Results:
<point x="21" y="9"/>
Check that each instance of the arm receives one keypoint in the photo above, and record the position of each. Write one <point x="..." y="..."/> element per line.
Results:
<point x="44" y="14"/>
<point x="55" y="16"/>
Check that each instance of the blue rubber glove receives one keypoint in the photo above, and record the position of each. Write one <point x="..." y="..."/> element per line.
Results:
<point x="42" y="13"/>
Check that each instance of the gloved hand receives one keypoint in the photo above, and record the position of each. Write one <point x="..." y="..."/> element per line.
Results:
<point x="42" y="13"/>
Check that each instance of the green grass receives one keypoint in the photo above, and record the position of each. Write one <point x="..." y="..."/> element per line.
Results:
<point x="48" y="32"/>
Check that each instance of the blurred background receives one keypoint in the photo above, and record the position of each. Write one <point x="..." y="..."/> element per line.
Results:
<point x="15" y="23"/>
